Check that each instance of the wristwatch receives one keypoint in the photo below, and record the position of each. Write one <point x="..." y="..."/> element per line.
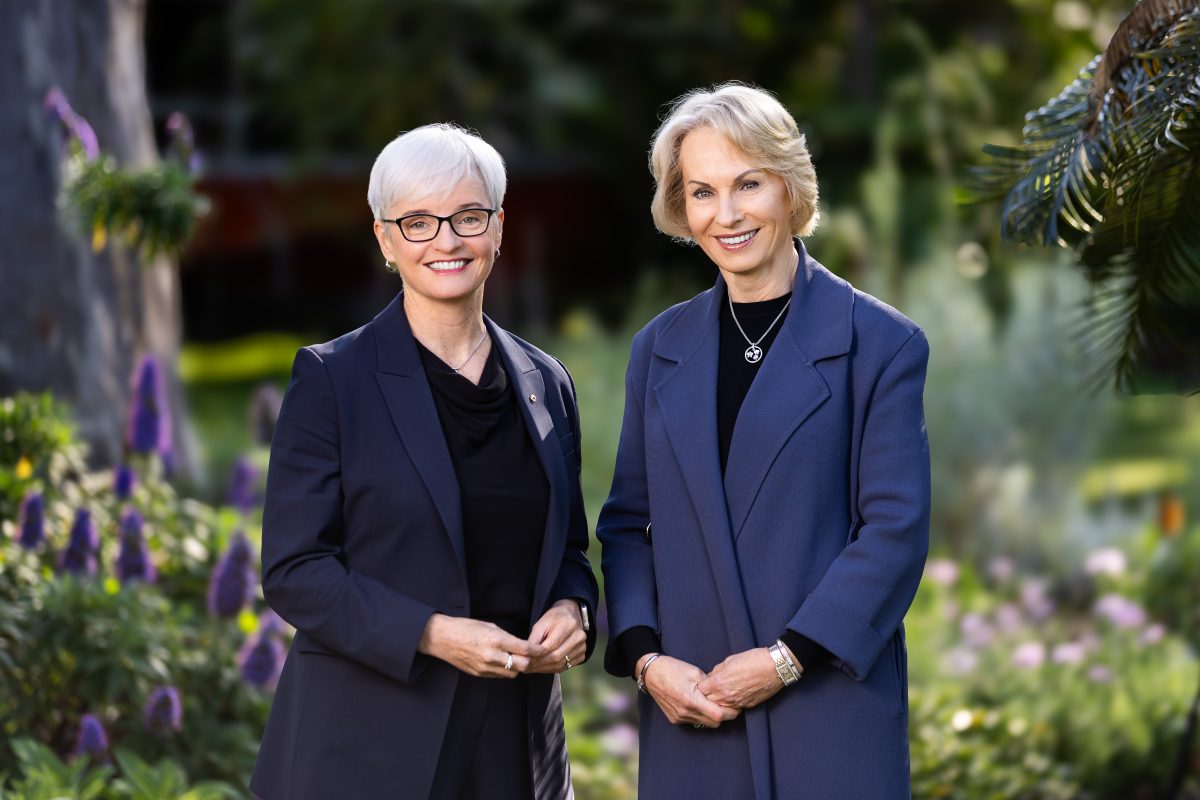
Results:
<point x="583" y="612"/>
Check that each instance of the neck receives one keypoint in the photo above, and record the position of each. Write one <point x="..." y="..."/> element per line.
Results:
<point x="451" y="330"/>
<point x="774" y="279"/>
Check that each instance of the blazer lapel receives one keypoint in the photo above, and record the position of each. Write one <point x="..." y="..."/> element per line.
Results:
<point x="788" y="387"/>
<point x="410" y="403"/>
<point x="531" y="397"/>
<point x="687" y="394"/>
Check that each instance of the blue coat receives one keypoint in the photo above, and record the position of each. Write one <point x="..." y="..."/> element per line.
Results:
<point x="820" y="525"/>
<point x="363" y="541"/>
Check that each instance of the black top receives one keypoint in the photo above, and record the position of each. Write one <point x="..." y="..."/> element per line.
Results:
<point x="502" y="485"/>
<point x="735" y="374"/>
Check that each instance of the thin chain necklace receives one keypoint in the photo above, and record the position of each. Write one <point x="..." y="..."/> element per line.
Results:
<point x="476" y="350"/>
<point x="754" y="353"/>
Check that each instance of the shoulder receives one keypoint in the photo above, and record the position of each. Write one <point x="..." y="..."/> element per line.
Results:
<point x="645" y="339"/>
<point x="880" y="329"/>
<point x="554" y="372"/>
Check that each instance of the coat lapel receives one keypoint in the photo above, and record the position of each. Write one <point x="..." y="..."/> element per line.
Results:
<point x="687" y="395"/>
<point x="531" y="397"/>
<point x="410" y="403"/>
<point x="788" y="387"/>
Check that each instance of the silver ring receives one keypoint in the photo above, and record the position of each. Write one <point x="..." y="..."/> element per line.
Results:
<point x="508" y="664"/>
<point x="567" y="658"/>
<point x="697" y="725"/>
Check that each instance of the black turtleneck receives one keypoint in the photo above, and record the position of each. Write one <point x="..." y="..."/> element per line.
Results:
<point x="502" y="485"/>
<point x="734" y="376"/>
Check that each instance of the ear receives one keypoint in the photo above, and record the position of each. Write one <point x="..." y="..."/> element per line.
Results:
<point x="499" y="227"/>
<point x="385" y="246"/>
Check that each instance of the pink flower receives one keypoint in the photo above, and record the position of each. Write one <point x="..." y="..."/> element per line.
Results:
<point x="1106" y="561"/>
<point x="1035" y="599"/>
<point x="1099" y="673"/>
<point x="1153" y="634"/>
<point x="942" y="571"/>
<point x="961" y="661"/>
<point x="1068" y="653"/>
<point x="619" y="741"/>
<point x="1029" y="655"/>
<point x="1120" y="611"/>
<point x="1009" y="618"/>
<point x="976" y="630"/>
<point x="1001" y="569"/>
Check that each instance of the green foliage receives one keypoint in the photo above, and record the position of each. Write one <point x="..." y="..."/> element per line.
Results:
<point x="36" y="447"/>
<point x="45" y="777"/>
<point x="165" y="780"/>
<point x="1173" y="585"/>
<point x="154" y="210"/>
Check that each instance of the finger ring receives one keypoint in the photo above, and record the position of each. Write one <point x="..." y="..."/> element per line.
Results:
<point x="697" y="725"/>
<point x="508" y="664"/>
<point x="568" y="660"/>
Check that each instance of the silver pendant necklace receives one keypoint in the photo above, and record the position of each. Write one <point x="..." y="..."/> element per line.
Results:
<point x="754" y="353"/>
<point x="476" y="350"/>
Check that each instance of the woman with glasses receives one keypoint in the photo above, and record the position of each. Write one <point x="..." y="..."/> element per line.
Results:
<point x="424" y="527"/>
<point x="768" y="519"/>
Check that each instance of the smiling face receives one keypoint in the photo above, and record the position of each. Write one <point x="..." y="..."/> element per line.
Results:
<point x="740" y="216"/>
<point x="448" y="268"/>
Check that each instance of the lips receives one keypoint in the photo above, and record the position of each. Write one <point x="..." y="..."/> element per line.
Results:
<point x="737" y="241"/>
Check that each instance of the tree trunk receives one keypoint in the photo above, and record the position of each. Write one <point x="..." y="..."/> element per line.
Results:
<point x="72" y="321"/>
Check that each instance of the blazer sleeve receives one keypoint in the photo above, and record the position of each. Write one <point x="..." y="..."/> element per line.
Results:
<point x="305" y="578"/>
<point x="576" y="580"/>
<point x="626" y="558"/>
<point x="865" y="593"/>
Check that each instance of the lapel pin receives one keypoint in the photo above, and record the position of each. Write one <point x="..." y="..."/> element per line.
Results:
<point x="533" y="398"/>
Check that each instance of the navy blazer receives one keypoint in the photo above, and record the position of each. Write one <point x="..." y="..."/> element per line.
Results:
<point x="363" y="541"/>
<point x="819" y="525"/>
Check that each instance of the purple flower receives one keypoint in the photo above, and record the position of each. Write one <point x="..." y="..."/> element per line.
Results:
<point x="243" y="485"/>
<point x="1099" y="673"/>
<point x="1029" y="655"/>
<point x="163" y="712"/>
<point x="961" y="660"/>
<point x="1120" y="611"/>
<point x="976" y="630"/>
<point x="183" y="141"/>
<point x="1036" y="600"/>
<point x="232" y="584"/>
<point x="133" y="557"/>
<point x="1106" y="561"/>
<point x="1153" y="634"/>
<point x="1068" y="653"/>
<point x="264" y="412"/>
<point x="620" y="741"/>
<point x="91" y="740"/>
<point x="1001" y="569"/>
<point x="616" y="703"/>
<point x="149" y="418"/>
<point x="261" y="660"/>
<point x="124" y="481"/>
<point x="80" y="555"/>
<point x="271" y="624"/>
<point x="33" y="521"/>
<point x="56" y="103"/>
<point x="1009" y="617"/>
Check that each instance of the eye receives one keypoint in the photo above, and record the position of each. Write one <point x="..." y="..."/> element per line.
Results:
<point x="750" y="185"/>
<point x="702" y="194"/>
<point x="470" y="219"/>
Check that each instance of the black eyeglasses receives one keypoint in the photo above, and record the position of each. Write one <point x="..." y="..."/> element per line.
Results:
<point x="425" y="227"/>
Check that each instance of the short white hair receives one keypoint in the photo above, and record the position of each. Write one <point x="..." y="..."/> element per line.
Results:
<point x="431" y="159"/>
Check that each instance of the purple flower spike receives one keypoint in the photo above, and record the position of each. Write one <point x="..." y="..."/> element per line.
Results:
<point x="133" y="558"/>
<point x="57" y="105"/>
<point x="149" y="418"/>
<point x="91" y="740"/>
<point x="243" y="485"/>
<point x="271" y="624"/>
<point x="231" y="587"/>
<point x="33" y="521"/>
<point x="264" y="412"/>
<point x="163" y="713"/>
<point x="183" y="140"/>
<point x="124" y="482"/>
<point x="261" y="660"/>
<point x="80" y="556"/>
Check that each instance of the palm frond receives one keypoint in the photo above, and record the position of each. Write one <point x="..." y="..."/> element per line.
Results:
<point x="1111" y="168"/>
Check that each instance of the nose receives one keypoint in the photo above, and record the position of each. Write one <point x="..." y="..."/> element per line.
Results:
<point x="729" y="214"/>
<point x="446" y="238"/>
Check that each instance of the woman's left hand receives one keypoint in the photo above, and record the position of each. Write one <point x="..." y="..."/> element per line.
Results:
<point x="743" y="680"/>
<point x="560" y="631"/>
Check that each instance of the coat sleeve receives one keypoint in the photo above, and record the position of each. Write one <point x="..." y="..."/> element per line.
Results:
<point x="305" y="578"/>
<point x="626" y="558"/>
<point x="575" y="577"/>
<point x="864" y="595"/>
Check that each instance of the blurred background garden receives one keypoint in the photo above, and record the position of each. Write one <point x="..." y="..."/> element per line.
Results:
<point x="183" y="205"/>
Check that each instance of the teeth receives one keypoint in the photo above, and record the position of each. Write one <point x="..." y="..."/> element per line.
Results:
<point x="447" y="266"/>
<point x="745" y="237"/>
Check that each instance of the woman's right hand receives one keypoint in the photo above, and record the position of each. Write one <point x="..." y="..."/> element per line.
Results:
<point x="674" y="685"/>
<point x="477" y="648"/>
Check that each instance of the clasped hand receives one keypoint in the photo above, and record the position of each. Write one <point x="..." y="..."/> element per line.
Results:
<point x="686" y="694"/>
<point x="482" y="648"/>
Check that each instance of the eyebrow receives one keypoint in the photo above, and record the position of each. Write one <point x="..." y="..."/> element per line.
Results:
<point x="735" y="180"/>
<point x="464" y="206"/>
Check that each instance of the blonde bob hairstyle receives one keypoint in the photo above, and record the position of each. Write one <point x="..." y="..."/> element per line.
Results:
<point x="755" y="123"/>
<point x="430" y="160"/>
